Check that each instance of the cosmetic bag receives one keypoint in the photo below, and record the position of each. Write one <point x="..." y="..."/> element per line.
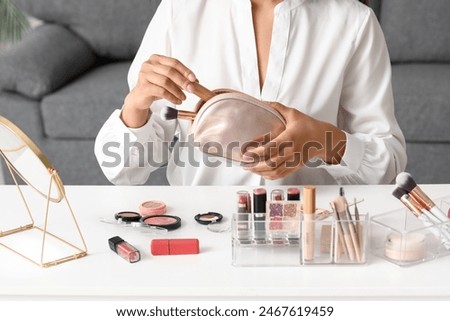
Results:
<point x="230" y="122"/>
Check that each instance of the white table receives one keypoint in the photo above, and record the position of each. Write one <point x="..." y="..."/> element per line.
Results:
<point x="103" y="274"/>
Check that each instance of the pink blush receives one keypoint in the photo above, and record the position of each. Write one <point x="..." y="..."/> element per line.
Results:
<point x="168" y="222"/>
<point x="160" y="220"/>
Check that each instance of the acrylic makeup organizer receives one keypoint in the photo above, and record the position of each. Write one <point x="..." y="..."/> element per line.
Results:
<point x="26" y="234"/>
<point x="280" y="240"/>
<point x="401" y="238"/>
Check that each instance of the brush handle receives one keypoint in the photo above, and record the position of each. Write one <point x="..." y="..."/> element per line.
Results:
<point x="184" y="114"/>
<point x="202" y="92"/>
<point x="355" y="240"/>
<point x="428" y="219"/>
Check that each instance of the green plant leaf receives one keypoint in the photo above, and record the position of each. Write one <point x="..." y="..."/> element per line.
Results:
<point x="12" y="22"/>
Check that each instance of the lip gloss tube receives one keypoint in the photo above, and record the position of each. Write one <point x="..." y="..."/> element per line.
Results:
<point x="259" y="215"/>
<point x="244" y="209"/>
<point x="309" y="208"/>
<point x="277" y="195"/>
<point x="124" y="249"/>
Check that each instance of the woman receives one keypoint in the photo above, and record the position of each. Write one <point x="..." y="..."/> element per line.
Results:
<point x="323" y="64"/>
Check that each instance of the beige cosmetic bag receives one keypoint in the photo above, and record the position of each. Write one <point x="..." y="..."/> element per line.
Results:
<point x="229" y="122"/>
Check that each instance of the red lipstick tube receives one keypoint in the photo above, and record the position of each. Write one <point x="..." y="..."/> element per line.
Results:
<point x="174" y="246"/>
<point x="124" y="249"/>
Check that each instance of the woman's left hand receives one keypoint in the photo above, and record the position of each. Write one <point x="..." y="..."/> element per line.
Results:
<point x="303" y="139"/>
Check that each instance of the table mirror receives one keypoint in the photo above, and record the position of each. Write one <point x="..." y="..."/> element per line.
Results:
<point x="26" y="163"/>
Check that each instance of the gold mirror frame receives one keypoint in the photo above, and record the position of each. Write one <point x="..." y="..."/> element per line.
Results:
<point x="54" y="181"/>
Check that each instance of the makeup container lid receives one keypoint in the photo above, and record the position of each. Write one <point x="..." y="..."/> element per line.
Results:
<point x="208" y="218"/>
<point x="128" y="216"/>
<point x="259" y="200"/>
<point x="168" y="222"/>
<point x="114" y="241"/>
<point x="152" y="207"/>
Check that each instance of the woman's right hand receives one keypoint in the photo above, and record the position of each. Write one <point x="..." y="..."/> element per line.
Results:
<point x="160" y="77"/>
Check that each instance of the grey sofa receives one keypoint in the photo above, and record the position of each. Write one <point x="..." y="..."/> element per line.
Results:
<point x="418" y="36"/>
<point x="64" y="79"/>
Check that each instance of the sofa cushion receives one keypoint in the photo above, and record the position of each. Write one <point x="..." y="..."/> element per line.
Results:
<point x="113" y="28"/>
<point x="422" y="101"/>
<point x="80" y="108"/>
<point x="48" y="57"/>
<point x="376" y="6"/>
<point x="76" y="163"/>
<point x="417" y="30"/>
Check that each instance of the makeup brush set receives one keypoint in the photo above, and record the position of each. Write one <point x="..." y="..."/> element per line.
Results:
<point x="419" y="233"/>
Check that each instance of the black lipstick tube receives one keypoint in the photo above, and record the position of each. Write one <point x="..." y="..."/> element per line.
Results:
<point x="259" y="215"/>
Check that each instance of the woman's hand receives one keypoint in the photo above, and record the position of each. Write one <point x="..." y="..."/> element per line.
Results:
<point x="303" y="139"/>
<point x="160" y="77"/>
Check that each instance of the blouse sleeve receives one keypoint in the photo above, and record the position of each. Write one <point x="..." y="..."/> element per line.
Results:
<point x="375" y="150"/>
<point x="127" y="156"/>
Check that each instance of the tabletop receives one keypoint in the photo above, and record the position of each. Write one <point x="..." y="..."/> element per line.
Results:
<point x="210" y="274"/>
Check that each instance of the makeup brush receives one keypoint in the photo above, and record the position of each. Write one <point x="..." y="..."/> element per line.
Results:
<point x="201" y="92"/>
<point x="340" y="234"/>
<point x="404" y="180"/>
<point x="169" y="113"/>
<point x="414" y="206"/>
<point x="409" y="201"/>
<point x="427" y="218"/>
<point x="350" y="238"/>
<point x="353" y="230"/>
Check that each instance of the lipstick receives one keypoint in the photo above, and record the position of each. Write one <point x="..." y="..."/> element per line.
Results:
<point x="244" y="202"/>
<point x="259" y="216"/>
<point x="277" y="195"/>
<point x="244" y="209"/>
<point x="124" y="249"/>
<point x="174" y="246"/>
<point x="293" y="194"/>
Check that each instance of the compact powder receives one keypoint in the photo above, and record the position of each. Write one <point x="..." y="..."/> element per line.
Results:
<point x="208" y="218"/>
<point x="168" y="222"/>
<point x="408" y="247"/>
<point x="152" y="208"/>
<point x="128" y="216"/>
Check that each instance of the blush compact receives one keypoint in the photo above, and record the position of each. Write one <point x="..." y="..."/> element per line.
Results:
<point x="152" y="207"/>
<point x="169" y="222"/>
<point x="213" y="220"/>
<point x="208" y="218"/>
<point x="128" y="216"/>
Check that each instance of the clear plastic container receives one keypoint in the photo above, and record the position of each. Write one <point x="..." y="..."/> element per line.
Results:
<point x="404" y="239"/>
<point x="279" y="238"/>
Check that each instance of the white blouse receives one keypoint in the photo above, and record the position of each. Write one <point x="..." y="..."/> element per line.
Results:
<point x="328" y="59"/>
